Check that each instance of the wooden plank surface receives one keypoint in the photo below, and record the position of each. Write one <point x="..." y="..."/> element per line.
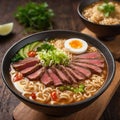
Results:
<point x="66" y="17"/>
<point x="112" y="43"/>
<point x="92" y="112"/>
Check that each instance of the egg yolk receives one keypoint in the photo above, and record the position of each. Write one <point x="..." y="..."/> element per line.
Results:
<point x="75" y="44"/>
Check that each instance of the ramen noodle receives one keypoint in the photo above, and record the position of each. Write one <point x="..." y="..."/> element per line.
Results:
<point x="93" y="14"/>
<point x="59" y="83"/>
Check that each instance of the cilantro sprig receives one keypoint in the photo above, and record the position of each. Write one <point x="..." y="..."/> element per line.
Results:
<point x="35" y="16"/>
<point x="16" y="58"/>
<point x="107" y="8"/>
<point x="46" y="47"/>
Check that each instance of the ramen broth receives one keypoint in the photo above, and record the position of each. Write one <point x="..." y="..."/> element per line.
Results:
<point x="101" y="12"/>
<point x="66" y="78"/>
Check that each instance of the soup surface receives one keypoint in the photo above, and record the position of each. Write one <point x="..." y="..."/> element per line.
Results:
<point x="58" y="71"/>
<point x="103" y="13"/>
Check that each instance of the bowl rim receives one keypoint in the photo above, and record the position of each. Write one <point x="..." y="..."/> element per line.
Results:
<point x="101" y="90"/>
<point x="82" y="17"/>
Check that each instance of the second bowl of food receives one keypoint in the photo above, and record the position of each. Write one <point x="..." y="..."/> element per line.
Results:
<point x="58" y="72"/>
<point x="101" y="17"/>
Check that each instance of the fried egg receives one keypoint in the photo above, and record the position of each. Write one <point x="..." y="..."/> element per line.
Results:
<point x="76" y="45"/>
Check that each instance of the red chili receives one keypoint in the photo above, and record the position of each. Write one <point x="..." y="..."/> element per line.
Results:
<point x="33" y="95"/>
<point x="18" y="76"/>
<point x="32" y="53"/>
<point x="54" y="95"/>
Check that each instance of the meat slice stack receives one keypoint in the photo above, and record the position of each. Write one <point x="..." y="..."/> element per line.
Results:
<point x="56" y="80"/>
<point x="27" y="62"/>
<point x="89" y="55"/>
<point x="61" y="75"/>
<point x="46" y="79"/>
<point x="29" y="67"/>
<point x="37" y="74"/>
<point x="68" y="74"/>
<point x="80" y="68"/>
<point x="92" y="61"/>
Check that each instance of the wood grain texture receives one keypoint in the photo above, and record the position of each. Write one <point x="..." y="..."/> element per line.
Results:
<point x="92" y="112"/>
<point x="112" y="43"/>
<point x="66" y="17"/>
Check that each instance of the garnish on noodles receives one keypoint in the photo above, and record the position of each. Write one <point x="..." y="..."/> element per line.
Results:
<point x="50" y="73"/>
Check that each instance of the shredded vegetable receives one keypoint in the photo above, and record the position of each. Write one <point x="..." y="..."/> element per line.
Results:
<point x="78" y="89"/>
<point x="53" y="57"/>
<point x="49" y="55"/>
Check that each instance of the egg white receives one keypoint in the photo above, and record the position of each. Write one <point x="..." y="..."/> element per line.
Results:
<point x="76" y="50"/>
<point x="18" y="86"/>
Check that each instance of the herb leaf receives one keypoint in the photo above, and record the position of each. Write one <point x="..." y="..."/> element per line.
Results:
<point x="107" y="8"/>
<point x="16" y="58"/>
<point x="46" y="46"/>
<point x="34" y="15"/>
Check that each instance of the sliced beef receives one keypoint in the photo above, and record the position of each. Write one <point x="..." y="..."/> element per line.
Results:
<point x="90" y="55"/>
<point x="71" y="78"/>
<point x="55" y="78"/>
<point x="28" y="59"/>
<point x="46" y="79"/>
<point x="84" y="71"/>
<point x="90" y="66"/>
<point x="97" y="62"/>
<point x="30" y="70"/>
<point x="37" y="74"/>
<point x="27" y="62"/>
<point x="61" y="75"/>
<point x="75" y="74"/>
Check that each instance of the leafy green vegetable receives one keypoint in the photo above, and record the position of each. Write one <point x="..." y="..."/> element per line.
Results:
<point x="46" y="46"/>
<point x="16" y="58"/>
<point x="35" y="16"/>
<point x="78" y="89"/>
<point x="107" y="8"/>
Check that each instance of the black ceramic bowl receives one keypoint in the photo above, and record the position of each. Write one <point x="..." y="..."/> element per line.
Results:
<point x="99" y="30"/>
<point x="57" y="110"/>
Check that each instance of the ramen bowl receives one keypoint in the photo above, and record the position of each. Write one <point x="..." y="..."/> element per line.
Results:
<point x="101" y="30"/>
<point x="65" y="109"/>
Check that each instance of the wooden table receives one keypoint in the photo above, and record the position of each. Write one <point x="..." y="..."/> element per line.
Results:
<point x="66" y="17"/>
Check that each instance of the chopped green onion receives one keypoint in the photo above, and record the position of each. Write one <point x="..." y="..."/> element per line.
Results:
<point x="107" y="8"/>
<point x="79" y="89"/>
<point x="49" y="55"/>
<point x="82" y="86"/>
